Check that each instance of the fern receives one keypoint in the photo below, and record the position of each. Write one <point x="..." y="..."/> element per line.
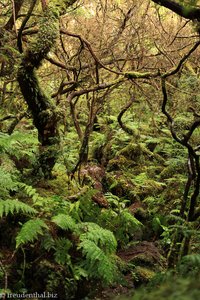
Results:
<point x="64" y="221"/>
<point x="18" y="143"/>
<point x="193" y="259"/>
<point x="119" y="219"/>
<point x="97" y="263"/>
<point x="5" y="142"/>
<point x="7" y="183"/>
<point x="30" y="231"/>
<point x="130" y="220"/>
<point x="190" y="265"/>
<point x="32" y="193"/>
<point x="48" y="241"/>
<point x="102" y="237"/>
<point x="62" y="246"/>
<point x="15" y="206"/>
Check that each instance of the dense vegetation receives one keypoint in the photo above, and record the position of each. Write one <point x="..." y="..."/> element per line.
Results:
<point x="100" y="146"/>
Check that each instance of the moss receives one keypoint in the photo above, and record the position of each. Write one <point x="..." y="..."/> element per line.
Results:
<point x="136" y="188"/>
<point x="119" y="163"/>
<point x="60" y="184"/>
<point x="48" y="33"/>
<point x="143" y="275"/>
<point x="132" y="151"/>
<point x="121" y="186"/>
<point x="45" y="116"/>
<point x="139" y="152"/>
<point x="173" y="288"/>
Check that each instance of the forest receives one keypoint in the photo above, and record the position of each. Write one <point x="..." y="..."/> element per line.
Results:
<point x="99" y="149"/>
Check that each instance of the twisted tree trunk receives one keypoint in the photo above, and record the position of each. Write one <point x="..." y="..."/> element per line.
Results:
<point x="45" y="115"/>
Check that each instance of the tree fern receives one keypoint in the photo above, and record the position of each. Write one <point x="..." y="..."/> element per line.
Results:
<point x="30" y="231"/>
<point x="64" y="221"/>
<point x="15" y="206"/>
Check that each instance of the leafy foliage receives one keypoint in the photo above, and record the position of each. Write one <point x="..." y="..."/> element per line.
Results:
<point x="8" y="182"/>
<point x="14" y="206"/>
<point x="77" y="231"/>
<point x="97" y="263"/>
<point x="64" y="221"/>
<point x="101" y="237"/>
<point x="62" y="246"/>
<point x="30" y="231"/>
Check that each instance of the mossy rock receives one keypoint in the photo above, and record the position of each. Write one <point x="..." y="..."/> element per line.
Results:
<point x="144" y="254"/>
<point x="143" y="275"/>
<point x="60" y="184"/>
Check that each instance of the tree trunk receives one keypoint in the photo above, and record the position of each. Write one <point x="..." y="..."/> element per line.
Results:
<point x="45" y="116"/>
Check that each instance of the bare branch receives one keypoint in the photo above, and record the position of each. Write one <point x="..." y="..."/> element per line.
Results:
<point x="165" y="112"/>
<point x="16" y="9"/>
<point x="95" y="88"/>
<point x="59" y="63"/>
<point x="88" y="45"/>
<point x="183" y="59"/>
<point x="25" y="20"/>
<point x="119" y="118"/>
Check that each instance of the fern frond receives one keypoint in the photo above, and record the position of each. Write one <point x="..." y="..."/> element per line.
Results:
<point x="7" y="183"/>
<point x="102" y="237"/>
<point x="15" y="206"/>
<point x="62" y="246"/>
<point x="97" y="263"/>
<point x="14" y="144"/>
<point x="32" y="193"/>
<point x="129" y="220"/>
<point x="192" y="259"/>
<point x="30" y="231"/>
<point x="64" y="221"/>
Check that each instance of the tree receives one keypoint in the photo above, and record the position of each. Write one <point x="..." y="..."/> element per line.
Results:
<point x="43" y="110"/>
<point x="115" y="103"/>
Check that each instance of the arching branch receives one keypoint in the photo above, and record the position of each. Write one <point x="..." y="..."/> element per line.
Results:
<point x="122" y="112"/>
<point x="19" y="37"/>
<point x="189" y="12"/>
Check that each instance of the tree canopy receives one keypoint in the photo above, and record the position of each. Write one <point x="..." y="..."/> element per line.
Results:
<point x="99" y="142"/>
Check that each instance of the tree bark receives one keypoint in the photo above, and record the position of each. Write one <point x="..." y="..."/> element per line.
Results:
<point x="186" y="11"/>
<point x="17" y="7"/>
<point x="45" y="115"/>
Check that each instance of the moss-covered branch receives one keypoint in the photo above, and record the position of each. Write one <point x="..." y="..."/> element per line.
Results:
<point x="186" y="11"/>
